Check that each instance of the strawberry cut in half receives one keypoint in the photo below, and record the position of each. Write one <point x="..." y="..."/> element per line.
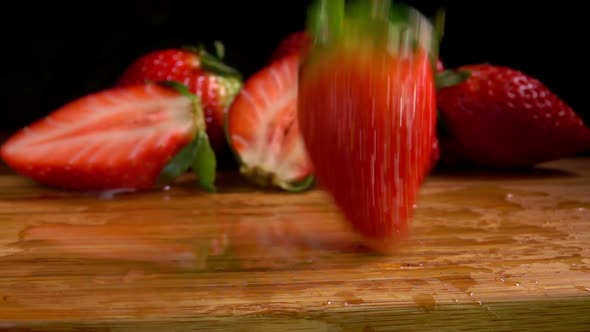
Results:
<point x="136" y="137"/>
<point x="367" y="111"/>
<point x="263" y="130"/>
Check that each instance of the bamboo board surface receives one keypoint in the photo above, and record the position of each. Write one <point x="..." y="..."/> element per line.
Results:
<point x="487" y="253"/>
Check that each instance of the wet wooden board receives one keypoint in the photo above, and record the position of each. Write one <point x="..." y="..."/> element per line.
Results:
<point x="487" y="252"/>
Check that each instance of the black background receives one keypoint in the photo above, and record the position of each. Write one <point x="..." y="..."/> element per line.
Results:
<point x="56" y="51"/>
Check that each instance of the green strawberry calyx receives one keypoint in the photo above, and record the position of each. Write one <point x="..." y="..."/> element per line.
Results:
<point x="213" y="62"/>
<point x="198" y="155"/>
<point x="449" y="77"/>
<point x="230" y="79"/>
<point x="267" y="179"/>
<point x="379" y="24"/>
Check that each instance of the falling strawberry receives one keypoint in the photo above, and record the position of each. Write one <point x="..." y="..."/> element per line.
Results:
<point x="263" y="130"/>
<point x="367" y="111"/>
<point x="296" y="42"/>
<point x="503" y="118"/>
<point x="134" y="138"/>
<point x="205" y="75"/>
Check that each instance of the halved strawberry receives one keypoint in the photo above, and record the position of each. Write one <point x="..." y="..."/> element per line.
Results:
<point x="122" y="138"/>
<point x="263" y="130"/>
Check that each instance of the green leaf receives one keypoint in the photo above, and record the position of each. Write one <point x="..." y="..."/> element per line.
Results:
<point x="325" y="19"/>
<point x="204" y="162"/>
<point x="219" y="49"/>
<point x="179" y="164"/>
<point x="450" y="78"/>
<point x="439" y="30"/>
<point x="439" y="23"/>
<point x="214" y="65"/>
<point x="181" y="88"/>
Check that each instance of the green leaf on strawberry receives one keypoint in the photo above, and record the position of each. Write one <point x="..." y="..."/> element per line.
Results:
<point x="179" y="164"/>
<point x="198" y="154"/>
<point x="204" y="164"/>
<point x="448" y="78"/>
<point x="212" y="63"/>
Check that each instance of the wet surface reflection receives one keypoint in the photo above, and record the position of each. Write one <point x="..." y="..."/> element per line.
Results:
<point x="247" y="253"/>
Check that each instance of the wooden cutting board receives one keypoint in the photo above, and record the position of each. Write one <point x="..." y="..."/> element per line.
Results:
<point x="487" y="252"/>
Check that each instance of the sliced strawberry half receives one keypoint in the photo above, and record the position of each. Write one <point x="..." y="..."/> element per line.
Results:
<point x="262" y="128"/>
<point x="121" y="138"/>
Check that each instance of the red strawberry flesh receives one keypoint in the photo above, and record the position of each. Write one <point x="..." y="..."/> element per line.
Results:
<point x="116" y="139"/>
<point x="263" y="129"/>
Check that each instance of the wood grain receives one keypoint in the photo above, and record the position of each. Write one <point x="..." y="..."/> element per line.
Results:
<point x="487" y="252"/>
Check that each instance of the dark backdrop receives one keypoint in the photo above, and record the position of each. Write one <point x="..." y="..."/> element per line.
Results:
<point x="54" y="52"/>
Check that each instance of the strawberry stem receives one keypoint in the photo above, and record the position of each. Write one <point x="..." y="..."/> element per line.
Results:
<point x="325" y="18"/>
<point x="400" y="29"/>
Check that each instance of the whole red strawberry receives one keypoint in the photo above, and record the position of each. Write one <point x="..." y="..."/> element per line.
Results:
<point x="296" y="42"/>
<point x="367" y="111"/>
<point x="205" y="75"/>
<point x="503" y="118"/>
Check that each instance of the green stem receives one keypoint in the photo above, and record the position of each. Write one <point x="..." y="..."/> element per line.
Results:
<point x="380" y="8"/>
<point x="325" y="19"/>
